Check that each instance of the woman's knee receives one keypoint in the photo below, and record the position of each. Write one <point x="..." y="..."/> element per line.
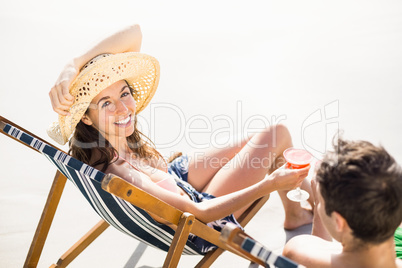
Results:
<point x="279" y="135"/>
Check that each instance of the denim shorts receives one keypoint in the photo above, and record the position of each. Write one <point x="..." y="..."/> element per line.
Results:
<point x="179" y="169"/>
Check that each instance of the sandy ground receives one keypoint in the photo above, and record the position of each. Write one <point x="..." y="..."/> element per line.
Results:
<point x="227" y="69"/>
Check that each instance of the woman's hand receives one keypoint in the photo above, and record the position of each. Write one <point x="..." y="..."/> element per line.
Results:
<point x="288" y="179"/>
<point x="126" y="40"/>
<point x="60" y="96"/>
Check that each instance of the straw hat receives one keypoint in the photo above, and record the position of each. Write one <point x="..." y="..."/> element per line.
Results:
<point x="141" y="71"/>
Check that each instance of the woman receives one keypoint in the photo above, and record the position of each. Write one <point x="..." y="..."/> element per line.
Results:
<point x="98" y="106"/>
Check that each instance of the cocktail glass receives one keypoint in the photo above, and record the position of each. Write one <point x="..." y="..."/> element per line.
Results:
<point x="296" y="159"/>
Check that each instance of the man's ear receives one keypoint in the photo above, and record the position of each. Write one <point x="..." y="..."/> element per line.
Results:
<point x="341" y="223"/>
<point x="86" y="120"/>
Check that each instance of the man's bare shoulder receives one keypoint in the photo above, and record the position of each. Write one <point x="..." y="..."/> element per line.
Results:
<point x="312" y="251"/>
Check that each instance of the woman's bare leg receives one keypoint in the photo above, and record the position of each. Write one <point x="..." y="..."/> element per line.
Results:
<point x="204" y="165"/>
<point x="295" y="215"/>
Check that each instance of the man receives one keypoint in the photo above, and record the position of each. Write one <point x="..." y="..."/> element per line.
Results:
<point x="358" y="195"/>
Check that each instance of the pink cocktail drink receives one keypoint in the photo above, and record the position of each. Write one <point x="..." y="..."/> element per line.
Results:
<point x="297" y="158"/>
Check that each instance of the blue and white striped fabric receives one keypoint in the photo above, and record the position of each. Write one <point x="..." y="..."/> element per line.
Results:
<point x="117" y="212"/>
<point x="268" y="257"/>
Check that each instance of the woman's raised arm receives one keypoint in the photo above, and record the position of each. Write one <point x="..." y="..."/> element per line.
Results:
<point x="126" y="40"/>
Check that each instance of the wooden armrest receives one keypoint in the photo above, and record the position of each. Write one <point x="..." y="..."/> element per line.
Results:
<point x="136" y="196"/>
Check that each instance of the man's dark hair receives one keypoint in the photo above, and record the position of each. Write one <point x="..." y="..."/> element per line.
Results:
<point x="363" y="183"/>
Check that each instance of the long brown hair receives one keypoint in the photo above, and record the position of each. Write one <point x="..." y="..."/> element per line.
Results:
<point x="87" y="140"/>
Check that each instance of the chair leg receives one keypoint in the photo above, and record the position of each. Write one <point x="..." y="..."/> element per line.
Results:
<point x="82" y="244"/>
<point x="179" y="240"/>
<point x="45" y="221"/>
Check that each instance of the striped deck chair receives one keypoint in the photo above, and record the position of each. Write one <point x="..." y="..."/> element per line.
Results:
<point x="238" y="240"/>
<point x="119" y="204"/>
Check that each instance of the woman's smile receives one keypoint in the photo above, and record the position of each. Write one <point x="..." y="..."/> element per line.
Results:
<point x="126" y="122"/>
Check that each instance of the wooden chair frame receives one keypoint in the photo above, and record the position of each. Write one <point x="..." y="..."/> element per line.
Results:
<point x="238" y="240"/>
<point x="184" y="221"/>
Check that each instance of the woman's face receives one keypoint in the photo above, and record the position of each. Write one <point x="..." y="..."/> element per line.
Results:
<point x="112" y="111"/>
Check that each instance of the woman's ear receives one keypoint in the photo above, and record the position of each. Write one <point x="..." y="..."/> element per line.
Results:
<point x="86" y="120"/>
